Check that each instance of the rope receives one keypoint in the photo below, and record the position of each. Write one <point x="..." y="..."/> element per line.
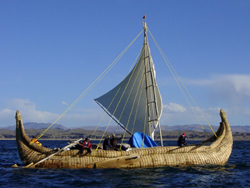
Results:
<point x="173" y="72"/>
<point x="135" y="98"/>
<point x="91" y="86"/>
<point x="109" y="120"/>
<point x="112" y="101"/>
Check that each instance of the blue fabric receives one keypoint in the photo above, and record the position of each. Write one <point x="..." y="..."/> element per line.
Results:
<point x="136" y="140"/>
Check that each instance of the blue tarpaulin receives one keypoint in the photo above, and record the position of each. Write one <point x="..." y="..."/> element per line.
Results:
<point x="136" y="140"/>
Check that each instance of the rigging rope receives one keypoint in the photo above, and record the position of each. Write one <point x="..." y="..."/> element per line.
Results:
<point x="91" y="86"/>
<point x="135" y="98"/>
<point x="173" y="72"/>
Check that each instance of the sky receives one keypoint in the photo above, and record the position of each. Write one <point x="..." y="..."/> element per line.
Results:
<point x="52" y="51"/>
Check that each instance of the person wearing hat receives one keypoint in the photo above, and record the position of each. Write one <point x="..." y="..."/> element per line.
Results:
<point x="86" y="145"/>
<point x="182" y="140"/>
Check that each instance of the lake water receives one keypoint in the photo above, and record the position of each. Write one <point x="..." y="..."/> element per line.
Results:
<point x="236" y="173"/>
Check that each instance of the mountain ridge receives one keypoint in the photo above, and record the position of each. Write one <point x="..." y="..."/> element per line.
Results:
<point x="191" y="127"/>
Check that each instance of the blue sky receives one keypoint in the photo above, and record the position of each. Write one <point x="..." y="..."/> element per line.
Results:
<point x="51" y="51"/>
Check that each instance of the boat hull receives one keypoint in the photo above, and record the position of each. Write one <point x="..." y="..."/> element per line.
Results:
<point x="217" y="153"/>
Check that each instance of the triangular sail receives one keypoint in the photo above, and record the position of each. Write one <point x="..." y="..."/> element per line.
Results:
<point x="136" y="102"/>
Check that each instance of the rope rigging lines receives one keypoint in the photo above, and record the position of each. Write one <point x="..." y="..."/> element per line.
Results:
<point x="91" y="86"/>
<point x="134" y="101"/>
<point x="173" y="72"/>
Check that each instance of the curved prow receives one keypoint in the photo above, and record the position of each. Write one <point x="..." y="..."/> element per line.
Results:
<point x="24" y="145"/>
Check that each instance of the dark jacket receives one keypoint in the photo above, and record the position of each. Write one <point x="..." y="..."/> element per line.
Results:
<point x="181" y="141"/>
<point x="106" y="144"/>
<point x="114" y="141"/>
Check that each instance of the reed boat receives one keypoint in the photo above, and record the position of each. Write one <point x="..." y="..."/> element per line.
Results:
<point x="136" y="105"/>
<point x="213" y="151"/>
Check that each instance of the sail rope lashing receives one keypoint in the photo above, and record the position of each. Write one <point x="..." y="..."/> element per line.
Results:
<point x="137" y="57"/>
<point x="129" y="81"/>
<point x="103" y="116"/>
<point x="119" y="101"/>
<point x="145" y="122"/>
<point x="173" y="72"/>
<point x="151" y="100"/>
<point x="91" y="86"/>
<point x="138" y="102"/>
<point x="106" y="110"/>
<point x="141" y="75"/>
<point x="139" y="90"/>
<point x="123" y="92"/>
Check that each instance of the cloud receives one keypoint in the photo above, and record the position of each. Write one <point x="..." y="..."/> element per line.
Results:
<point x="234" y="84"/>
<point x="64" y="103"/>
<point x="176" y="114"/>
<point x="173" y="107"/>
<point x="228" y="91"/>
<point x="231" y="91"/>
<point x="29" y="112"/>
<point x="27" y="108"/>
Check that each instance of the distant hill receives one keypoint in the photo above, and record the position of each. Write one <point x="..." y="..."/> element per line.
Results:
<point x="59" y="134"/>
<point x="197" y="128"/>
<point x="32" y="125"/>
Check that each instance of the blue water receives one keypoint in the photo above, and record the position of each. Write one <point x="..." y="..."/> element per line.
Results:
<point x="236" y="173"/>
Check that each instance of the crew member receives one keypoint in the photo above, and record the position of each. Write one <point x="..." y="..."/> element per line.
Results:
<point x="182" y="140"/>
<point x="114" y="141"/>
<point x="106" y="144"/>
<point x="86" y="145"/>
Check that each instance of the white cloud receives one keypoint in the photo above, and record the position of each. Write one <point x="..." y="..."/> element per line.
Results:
<point x="173" y="107"/>
<point x="77" y="117"/>
<point x="230" y="92"/>
<point x="230" y="84"/>
<point x="65" y="103"/>
<point x="29" y="112"/>
<point x="176" y="114"/>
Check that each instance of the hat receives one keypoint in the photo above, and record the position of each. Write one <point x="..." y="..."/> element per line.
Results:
<point x="86" y="138"/>
<point x="184" y="134"/>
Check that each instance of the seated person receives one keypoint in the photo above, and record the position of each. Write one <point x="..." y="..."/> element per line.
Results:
<point x="114" y="141"/>
<point x="86" y="145"/>
<point x="182" y="140"/>
<point x="34" y="140"/>
<point x="106" y="144"/>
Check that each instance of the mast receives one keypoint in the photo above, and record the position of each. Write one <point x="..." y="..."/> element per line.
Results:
<point x="150" y="86"/>
<point x="136" y="100"/>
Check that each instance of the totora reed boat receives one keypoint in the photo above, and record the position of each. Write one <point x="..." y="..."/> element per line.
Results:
<point x="137" y="91"/>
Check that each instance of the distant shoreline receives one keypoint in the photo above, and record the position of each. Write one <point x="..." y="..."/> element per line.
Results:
<point x="125" y="139"/>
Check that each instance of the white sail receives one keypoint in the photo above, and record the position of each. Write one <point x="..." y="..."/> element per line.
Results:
<point x="136" y="102"/>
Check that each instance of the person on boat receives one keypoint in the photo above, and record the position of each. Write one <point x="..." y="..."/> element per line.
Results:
<point x="182" y="140"/>
<point x="114" y="142"/>
<point x="86" y="145"/>
<point x="106" y="144"/>
<point x="34" y="140"/>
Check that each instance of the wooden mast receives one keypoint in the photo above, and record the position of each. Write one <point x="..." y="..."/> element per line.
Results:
<point x="151" y="128"/>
